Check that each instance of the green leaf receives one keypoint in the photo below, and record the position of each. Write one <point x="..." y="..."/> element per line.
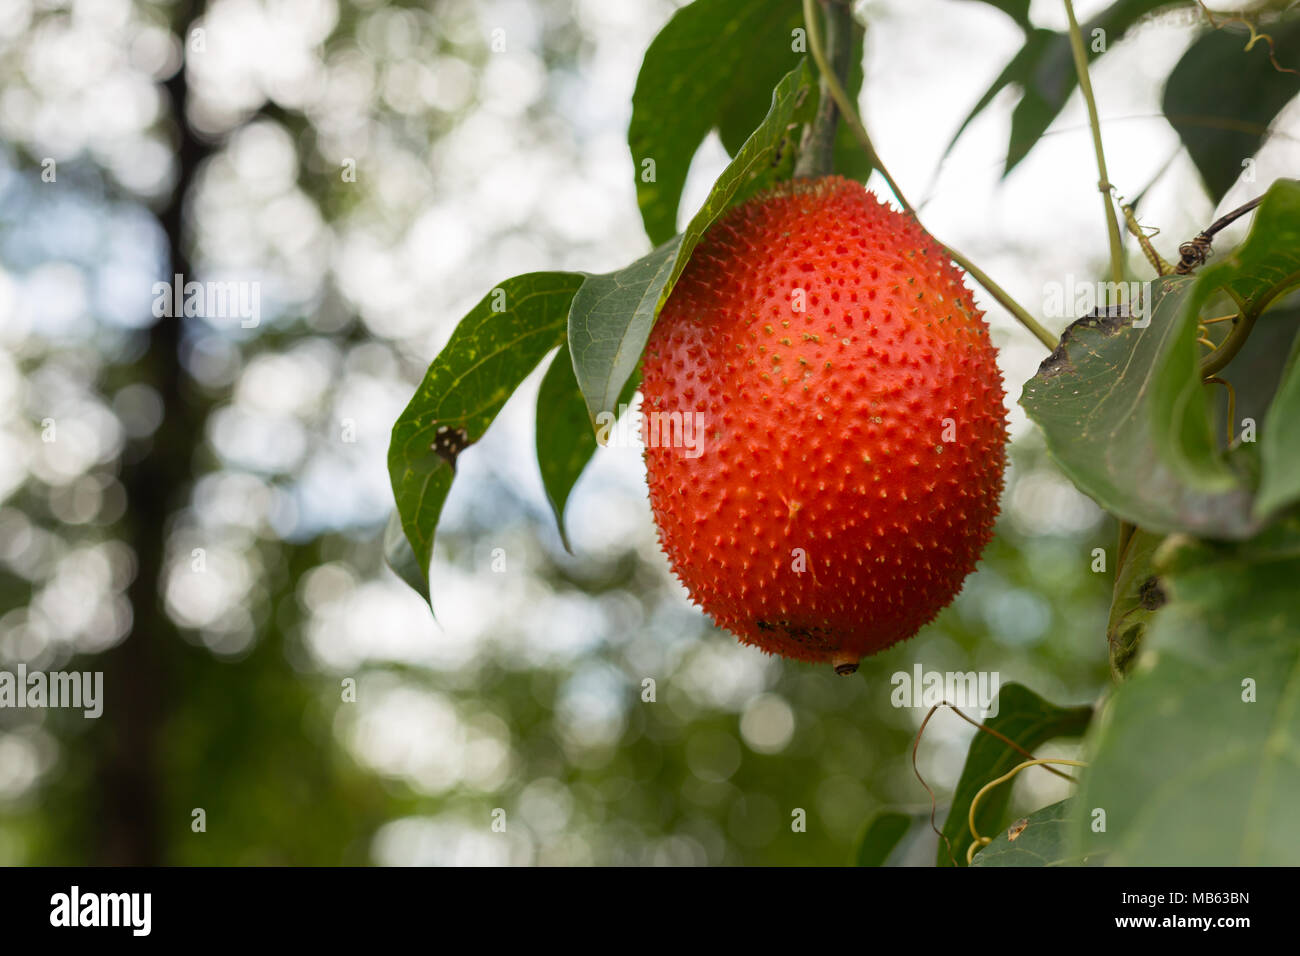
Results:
<point x="1257" y="370"/>
<point x="610" y="322"/>
<point x="613" y="313"/>
<point x="1051" y="77"/>
<point x="1123" y="409"/>
<point x="1019" y="70"/>
<point x="1256" y="275"/>
<point x="1127" y="419"/>
<point x="1044" y="70"/>
<point x="1030" y="721"/>
<point x="1138" y="595"/>
<point x="1267" y="264"/>
<point x="1279" y="448"/>
<point x="1196" y="757"/>
<point x="1047" y="80"/>
<point x="401" y="558"/>
<point x="488" y="355"/>
<point x="1040" y="839"/>
<point x="1221" y="98"/>
<point x="565" y="440"/>
<point x="880" y="838"/>
<point x="711" y="66"/>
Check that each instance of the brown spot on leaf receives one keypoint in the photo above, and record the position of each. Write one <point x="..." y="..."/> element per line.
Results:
<point x="1151" y="595"/>
<point x="449" y="442"/>
<point x="1108" y="321"/>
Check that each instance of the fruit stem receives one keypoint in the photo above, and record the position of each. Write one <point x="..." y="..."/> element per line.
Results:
<point x="1003" y="297"/>
<point x="844" y="663"/>
<point x="817" y="158"/>
<point x="1085" y="87"/>
<point x="850" y="114"/>
<point x="836" y="90"/>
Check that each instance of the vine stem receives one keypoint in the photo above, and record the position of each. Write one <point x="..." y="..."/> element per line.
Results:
<point x="849" y="111"/>
<point x="817" y="158"/>
<point x="1085" y="87"/>
<point x="1126" y="529"/>
<point x="1228" y="348"/>
<point x="978" y="841"/>
<point x="916" y="745"/>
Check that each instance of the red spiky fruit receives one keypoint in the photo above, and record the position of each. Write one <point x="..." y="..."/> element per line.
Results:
<point x="824" y="424"/>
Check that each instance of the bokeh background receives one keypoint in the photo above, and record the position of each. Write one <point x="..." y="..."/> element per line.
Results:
<point x="221" y="155"/>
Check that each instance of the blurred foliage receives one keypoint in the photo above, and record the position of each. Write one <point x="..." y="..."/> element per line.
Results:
<point x="1226" y="92"/>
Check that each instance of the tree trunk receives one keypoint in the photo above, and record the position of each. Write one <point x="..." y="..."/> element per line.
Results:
<point x="130" y="772"/>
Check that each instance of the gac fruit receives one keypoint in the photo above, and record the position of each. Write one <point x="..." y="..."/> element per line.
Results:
<point x="824" y="424"/>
